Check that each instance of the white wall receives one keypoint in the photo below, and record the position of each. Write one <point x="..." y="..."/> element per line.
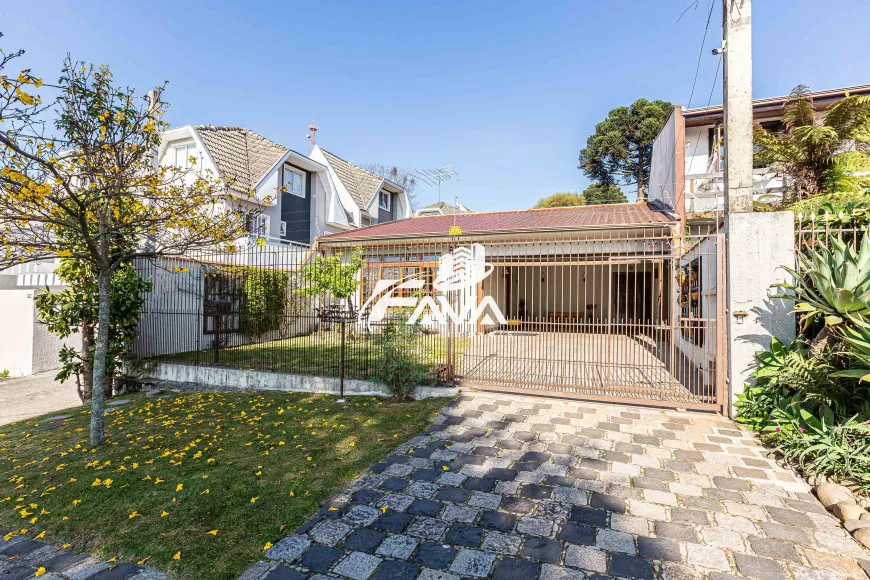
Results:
<point x="663" y="174"/>
<point x="16" y="332"/>
<point x="702" y="357"/>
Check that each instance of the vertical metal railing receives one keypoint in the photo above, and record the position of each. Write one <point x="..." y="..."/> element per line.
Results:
<point x="619" y="314"/>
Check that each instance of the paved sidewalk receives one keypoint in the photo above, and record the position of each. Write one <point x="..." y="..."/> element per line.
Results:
<point x="512" y="487"/>
<point x="21" y="557"/>
<point x="26" y="397"/>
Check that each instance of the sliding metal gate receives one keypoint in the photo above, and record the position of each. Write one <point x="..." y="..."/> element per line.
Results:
<point x="614" y="315"/>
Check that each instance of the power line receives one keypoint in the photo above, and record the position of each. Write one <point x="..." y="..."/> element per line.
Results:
<point x="700" y="54"/>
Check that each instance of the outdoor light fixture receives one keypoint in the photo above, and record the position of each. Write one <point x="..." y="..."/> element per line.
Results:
<point x="740" y="315"/>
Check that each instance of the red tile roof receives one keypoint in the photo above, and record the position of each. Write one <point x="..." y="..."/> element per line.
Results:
<point x="571" y="218"/>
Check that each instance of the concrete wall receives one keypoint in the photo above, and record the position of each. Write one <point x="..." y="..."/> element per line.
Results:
<point x="665" y="159"/>
<point x="190" y="377"/>
<point x="26" y="345"/>
<point x="757" y="245"/>
<point x="47" y="345"/>
<point x="702" y="357"/>
<point x="16" y="334"/>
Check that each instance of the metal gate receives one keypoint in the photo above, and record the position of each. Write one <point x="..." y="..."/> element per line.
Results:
<point x="630" y="315"/>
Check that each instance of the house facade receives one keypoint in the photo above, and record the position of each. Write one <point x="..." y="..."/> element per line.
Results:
<point x="603" y="301"/>
<point x="704" y="147"/>
<point x="360" y="198"/>
<point x="295" y="197"/>
<point x="442" y="208"/>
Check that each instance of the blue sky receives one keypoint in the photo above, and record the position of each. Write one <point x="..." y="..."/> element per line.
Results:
<point x="505" y="92"/>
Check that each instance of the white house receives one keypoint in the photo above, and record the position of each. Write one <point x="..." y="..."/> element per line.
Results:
<point x="308" y="196"/>
<point x="704" y="148"/>
<point x="442" y="208"/>
<point x="361" y="198"/>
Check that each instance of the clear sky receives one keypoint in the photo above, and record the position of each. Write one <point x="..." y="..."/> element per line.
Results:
<point x="505" y="92"/>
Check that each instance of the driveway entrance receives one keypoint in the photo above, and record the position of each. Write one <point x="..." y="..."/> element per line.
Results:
<point x="513" y="487"/>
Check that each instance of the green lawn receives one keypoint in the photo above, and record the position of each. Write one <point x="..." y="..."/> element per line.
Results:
<point x="319" y="354"/>
<point x="252" y="466"/>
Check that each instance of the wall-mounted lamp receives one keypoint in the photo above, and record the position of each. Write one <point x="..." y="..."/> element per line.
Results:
<point x="740" y="315"/>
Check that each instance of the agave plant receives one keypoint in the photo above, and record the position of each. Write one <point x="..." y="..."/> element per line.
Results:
<point x="856" y="338"/>
<point x="832" y="284"/>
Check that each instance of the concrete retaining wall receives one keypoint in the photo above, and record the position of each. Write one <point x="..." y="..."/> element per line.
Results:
<point x="202" y="378"/>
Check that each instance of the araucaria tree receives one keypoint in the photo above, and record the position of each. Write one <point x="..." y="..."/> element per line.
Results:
<point x="78" y="179"/>
<point x="620" y="150"/>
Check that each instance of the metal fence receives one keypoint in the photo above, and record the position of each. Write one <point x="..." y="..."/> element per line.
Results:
<point x="257" y="309"/>
<point x="813" y="230"/>
<point x="618" y="314"/>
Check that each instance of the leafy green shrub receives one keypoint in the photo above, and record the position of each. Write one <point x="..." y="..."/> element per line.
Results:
<point x="400" y="366"/>
<point x="810" y="400"/>
<point x="264" y="300"/>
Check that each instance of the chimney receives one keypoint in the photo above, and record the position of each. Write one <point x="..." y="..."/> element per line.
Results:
<point x="312" y="136"/>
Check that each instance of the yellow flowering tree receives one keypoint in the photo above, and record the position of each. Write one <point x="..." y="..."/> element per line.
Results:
<point x="79" y="179"/>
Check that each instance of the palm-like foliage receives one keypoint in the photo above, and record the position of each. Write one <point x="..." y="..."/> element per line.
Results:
<point x="819" y="156"/>
<point x="832" y="284"/>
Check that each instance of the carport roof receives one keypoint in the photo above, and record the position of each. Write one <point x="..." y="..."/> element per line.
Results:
<point x="558" y="218"/>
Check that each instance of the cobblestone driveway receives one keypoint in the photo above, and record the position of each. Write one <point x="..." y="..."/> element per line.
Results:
<point x="513" y="487"/>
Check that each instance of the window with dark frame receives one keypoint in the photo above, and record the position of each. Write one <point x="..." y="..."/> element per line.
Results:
<point x="221" y="294"/>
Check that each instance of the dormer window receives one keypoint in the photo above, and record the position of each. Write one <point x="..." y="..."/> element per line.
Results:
<point x="384" y="202"/>
<point x="183" y="153"/>
<point x="294" y="182"/>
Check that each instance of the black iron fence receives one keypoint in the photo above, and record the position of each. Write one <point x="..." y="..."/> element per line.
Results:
<point x="268" y="308"/>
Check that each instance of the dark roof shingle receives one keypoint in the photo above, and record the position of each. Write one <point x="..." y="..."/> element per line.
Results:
<point x="578" y="217"/>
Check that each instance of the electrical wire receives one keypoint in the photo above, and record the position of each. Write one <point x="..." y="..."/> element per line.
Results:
<point x="700" y="54"/>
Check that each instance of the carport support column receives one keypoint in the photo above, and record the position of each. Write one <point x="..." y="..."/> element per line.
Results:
<point x="757" y="244"/>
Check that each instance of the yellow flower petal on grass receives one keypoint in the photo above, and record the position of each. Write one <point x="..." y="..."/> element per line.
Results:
<point x="39" y="571"/>
<point x="213" y="532"/>
<point x="135" y="514"/>
<point x="176" y="556"/>
<point x="267" y="546"/>
<point x="254" y="499"/>
<point x="179" y="487"/>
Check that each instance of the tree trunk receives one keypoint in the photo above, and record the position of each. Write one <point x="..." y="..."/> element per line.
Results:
<point x="101" y="349"/>
<point x="641" y="182"/>
<point x="87" y="378"/>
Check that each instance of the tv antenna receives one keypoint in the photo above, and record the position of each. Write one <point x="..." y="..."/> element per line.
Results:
<point x="434" y="177"/>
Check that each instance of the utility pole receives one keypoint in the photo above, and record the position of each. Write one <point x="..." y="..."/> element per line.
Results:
<point x="756" y="243"/>
<point x="737" y="89"/>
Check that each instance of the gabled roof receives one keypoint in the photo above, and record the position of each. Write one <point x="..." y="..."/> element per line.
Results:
<point x="241" y="154"/>
<point x="445" y="208"/>
<point x="362" y="185"/>
<point x="557" y="218"/>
